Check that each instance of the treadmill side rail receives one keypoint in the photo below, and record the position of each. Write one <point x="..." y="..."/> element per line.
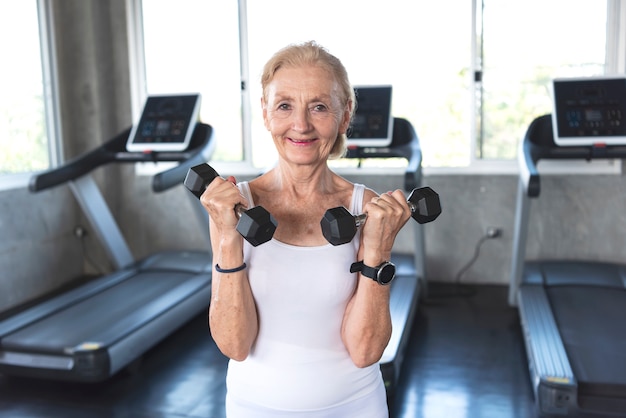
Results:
<point x="12" y="359"/>
<point x="553" y="380"/>
<point x="522" y="212"/>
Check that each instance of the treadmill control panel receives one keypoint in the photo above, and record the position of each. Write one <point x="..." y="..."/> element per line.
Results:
<point x="589" y="111"/>
<point x="166" y="124"/>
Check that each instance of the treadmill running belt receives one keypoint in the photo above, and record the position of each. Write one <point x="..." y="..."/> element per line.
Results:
<point x="596" y="349"/>
<point x="109" y="315"/>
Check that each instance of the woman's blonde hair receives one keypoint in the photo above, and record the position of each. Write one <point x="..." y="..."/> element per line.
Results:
<point x="310" y="53"/>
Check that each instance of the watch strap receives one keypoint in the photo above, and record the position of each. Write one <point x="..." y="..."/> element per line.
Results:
<point x="366" y="270"/>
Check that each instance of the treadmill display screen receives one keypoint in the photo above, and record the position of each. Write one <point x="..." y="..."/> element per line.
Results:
<point x="589" y="111"/>
<point x="372" y="124"/>
<point x="166" y="124"/>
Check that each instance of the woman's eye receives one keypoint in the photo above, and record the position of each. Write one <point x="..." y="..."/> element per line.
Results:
<point x="283" y="106"/>
<point x="319" y="108"/>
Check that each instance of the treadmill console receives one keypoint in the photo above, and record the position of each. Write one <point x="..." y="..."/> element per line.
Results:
<point x="372" y="124"/>
<point x="166" y="124"/>
<point x="589" y="111"/>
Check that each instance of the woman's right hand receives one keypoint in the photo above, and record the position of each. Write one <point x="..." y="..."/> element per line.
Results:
<point x="220" y="199"/>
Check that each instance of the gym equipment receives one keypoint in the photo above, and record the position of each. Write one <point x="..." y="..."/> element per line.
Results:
<point x="339" y="226"/>
<point x="410" y="281"/>
<point x="575" y="123"/>
<point x="571" y="311"/>
<point x="372" y="124"/>
<point x="164" y="123"/>
<point x="90" y="332"/>
<point x="256" y="224"/>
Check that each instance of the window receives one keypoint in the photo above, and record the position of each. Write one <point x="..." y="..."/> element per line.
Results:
<point x="525" y="45"/>
<point x="23" y="136"/>
<point x="469" y="75"/>
<point x="193" y="46"/>
<point x="420" y="48"/>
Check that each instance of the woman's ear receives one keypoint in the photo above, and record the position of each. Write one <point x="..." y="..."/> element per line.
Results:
<point x="345" y="122"/>
<point x="264" y="107"/>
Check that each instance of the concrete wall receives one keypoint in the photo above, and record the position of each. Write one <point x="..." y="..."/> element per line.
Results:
<point x="578" y="216"/>
<point x="38" y="251"/>
<point x="575" y="217"/>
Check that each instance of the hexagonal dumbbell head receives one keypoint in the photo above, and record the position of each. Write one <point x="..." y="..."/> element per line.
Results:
<point x="338" y="226"/>
<point x="198" y="178"/>
<point x="256" y="225"/>
<point x="425" y="205"/>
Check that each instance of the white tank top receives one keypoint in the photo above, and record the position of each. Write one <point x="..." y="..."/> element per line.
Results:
<point x="298" y="361"/>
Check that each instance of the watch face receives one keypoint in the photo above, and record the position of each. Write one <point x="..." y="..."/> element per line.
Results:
<point x="387" y="273"/>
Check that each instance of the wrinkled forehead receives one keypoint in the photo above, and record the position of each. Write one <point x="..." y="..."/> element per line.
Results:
<point x="303" y="81"/>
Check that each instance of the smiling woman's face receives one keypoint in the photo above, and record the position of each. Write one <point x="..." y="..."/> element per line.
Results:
<point x="303" y="113"/>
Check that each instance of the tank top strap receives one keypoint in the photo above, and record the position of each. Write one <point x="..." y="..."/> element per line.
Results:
<point x="356" y="206"/>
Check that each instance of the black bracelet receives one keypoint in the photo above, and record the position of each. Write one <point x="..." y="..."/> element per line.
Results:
<point x="235" y="270"/>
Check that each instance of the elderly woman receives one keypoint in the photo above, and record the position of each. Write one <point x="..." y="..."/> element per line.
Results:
<point x="303" y="332"/>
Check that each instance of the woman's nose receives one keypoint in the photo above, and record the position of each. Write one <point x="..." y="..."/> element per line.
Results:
<point x="301" y="120"/>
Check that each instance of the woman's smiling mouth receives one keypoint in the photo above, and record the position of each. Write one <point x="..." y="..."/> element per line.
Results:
<point x="302" y="141"/>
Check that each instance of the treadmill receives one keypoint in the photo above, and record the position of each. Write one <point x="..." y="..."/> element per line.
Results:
<point x="571" y="311"/>
<point x="410" y="279"/>
<point x="90" y="332"/>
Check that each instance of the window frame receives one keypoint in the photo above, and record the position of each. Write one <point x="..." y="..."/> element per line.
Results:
<point x="51" y="106"/>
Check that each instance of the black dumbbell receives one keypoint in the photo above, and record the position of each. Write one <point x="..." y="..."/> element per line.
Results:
<point x="256" y="225"/>
<point x="339" y="226"/>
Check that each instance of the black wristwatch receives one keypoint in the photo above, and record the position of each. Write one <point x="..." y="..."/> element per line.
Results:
<point x="384" y="273"/>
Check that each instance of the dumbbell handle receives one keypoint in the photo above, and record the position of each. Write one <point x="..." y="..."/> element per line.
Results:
<point x="240" y="210"/>
<point x="360" y="219"/>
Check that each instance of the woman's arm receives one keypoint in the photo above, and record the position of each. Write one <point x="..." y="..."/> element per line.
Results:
<point x="232" y="312"/>
<point x="366" y="327"/>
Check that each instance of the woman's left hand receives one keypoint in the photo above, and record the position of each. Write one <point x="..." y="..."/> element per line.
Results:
<point x="386" y="215"/>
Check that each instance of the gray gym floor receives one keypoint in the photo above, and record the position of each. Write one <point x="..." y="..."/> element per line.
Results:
<point x="466" y="359"/>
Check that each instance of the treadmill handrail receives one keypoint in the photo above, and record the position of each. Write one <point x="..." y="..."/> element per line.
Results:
<point x="529" y="175"/>
<point x="115" y="151"/>
<point x="202" y="153"/>
<point x="74" y="168"/>
<point x="538" y="144"/>
<point x="403" y="145"/>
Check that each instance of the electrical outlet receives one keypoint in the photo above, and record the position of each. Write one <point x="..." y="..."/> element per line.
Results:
<point x="493" y="232"/>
